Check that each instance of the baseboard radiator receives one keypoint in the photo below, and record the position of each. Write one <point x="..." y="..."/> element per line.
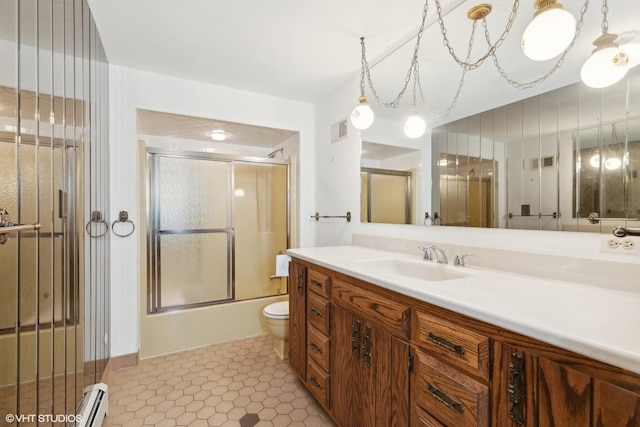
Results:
<point x="94" y="406"/>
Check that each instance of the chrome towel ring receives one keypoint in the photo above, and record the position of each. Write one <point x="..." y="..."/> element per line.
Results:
<point x="96" y="216"/>
<point x="123" y="217"/>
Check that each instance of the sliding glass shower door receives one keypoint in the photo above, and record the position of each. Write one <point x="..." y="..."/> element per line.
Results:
<point x="198" y="205"/>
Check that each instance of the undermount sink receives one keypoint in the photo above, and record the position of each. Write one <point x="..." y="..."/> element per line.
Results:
<point x="423" y="270"/>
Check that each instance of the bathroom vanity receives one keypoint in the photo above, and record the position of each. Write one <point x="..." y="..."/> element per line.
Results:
<point x="387" y="339"/>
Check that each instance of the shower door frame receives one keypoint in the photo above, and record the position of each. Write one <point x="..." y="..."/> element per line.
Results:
<point x="153" y="232"/>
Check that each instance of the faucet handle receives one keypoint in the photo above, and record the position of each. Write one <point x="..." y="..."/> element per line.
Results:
<point x="460" y="259"/>
<point x="427" y="252"/>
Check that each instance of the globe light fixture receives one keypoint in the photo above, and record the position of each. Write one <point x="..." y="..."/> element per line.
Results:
<point x="415" y="126"/>
<point x="607" y="65"/>
<point x="362" y="116"/>
<point x="549" y="33"/>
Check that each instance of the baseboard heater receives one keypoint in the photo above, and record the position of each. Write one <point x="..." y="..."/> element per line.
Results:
<point x="94" y="406"/>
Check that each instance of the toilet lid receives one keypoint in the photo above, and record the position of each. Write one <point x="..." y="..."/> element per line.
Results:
<point x="278" y="309"/>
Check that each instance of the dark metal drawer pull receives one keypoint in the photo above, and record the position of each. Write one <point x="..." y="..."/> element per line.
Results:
<point x="355" y="339"/>
<point x="440" y="396"/>
<point x="316" y="312"/>
<point x="315" y="382"/>
<point x="366" y="347"/>
<point x="516" y="388"/>
<point x="445" y="343"/>
<point x="315" y="348"/>
<point x="315" y="282"/>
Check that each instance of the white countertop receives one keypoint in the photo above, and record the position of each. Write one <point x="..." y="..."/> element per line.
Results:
<point x="596" y="322"/>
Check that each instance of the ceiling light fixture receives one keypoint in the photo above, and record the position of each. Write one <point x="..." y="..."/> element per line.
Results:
<point x="218" y="135"/>
<point x="415" y="126"/>
<point x="608" y="63"/>
<point x="552" y="32"/>
<point x="362" y="116"/>
<point x="549" y="33"/>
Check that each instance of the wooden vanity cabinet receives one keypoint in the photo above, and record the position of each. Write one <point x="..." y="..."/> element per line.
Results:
<point x="318" y="344"/>
<point x="298" y="318"/>
<point x="450" y="378"/>
<point x="373" y="357"/>
<point x="531" y="389"/>
<point x="370" y="362"/>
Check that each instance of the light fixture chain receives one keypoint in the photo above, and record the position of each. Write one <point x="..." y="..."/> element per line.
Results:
<point x="454" y="102"/>
<point x="414" y="61"/>
<point x="557" y="65"/>
<point x="605" y="23"/>
<point x="492" y="48"/>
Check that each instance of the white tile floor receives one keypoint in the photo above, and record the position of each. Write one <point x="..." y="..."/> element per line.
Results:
<point x="240" y="383"/>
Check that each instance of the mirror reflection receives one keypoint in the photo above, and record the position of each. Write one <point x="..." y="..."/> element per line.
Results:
<point x="392" y="182"/>
<point x="564" y="160"/>
<point x="569" y="157"/>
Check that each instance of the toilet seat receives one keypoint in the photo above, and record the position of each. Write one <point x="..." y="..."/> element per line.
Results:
<point x="277" y="310"/>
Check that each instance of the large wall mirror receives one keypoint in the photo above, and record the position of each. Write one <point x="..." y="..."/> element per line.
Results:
<point x="564" y="160"/>
<point x="558" y="156"/>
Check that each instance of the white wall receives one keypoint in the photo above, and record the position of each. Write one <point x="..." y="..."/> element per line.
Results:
<point x="132" y="89"/>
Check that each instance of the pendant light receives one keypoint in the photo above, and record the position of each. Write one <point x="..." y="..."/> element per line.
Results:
<point x="550" y="32"/>
<point x="362" y="116"/>
<point x="415" y="126"/>
<point x="607" y="64"/>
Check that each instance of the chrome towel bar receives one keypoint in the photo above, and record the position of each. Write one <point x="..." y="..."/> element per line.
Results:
<point x="317" y="216"/>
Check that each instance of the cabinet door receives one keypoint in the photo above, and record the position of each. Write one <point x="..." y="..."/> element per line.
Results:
<point x="346" y="359"/>
<point x="615" y="406"/>
<point x="371" y="372"/>
<point x="297" y="319"/>
<point x="533" y="391"/>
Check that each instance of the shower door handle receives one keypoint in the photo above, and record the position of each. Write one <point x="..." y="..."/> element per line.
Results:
<point x="62" y="204"/>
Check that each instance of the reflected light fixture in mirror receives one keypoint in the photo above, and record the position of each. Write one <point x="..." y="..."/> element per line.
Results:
<point x="550" y="32"/>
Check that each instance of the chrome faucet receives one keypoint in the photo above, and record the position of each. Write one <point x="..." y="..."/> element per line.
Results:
<point x="460" y="259"/>
<point x="429" y="250"/>
<point x="426" y="249"/>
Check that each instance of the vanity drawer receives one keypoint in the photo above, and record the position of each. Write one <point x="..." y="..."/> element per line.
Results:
<point x="461" y="346"/>
<point x="318" y="347"/>
<point x="423" y="419"/>
<point x="318" y="310"/>
<point x="318" y="382"/>
<point x="319" y="283"/>
<point x="449" y="395"/>
<point x="392" y="315"/>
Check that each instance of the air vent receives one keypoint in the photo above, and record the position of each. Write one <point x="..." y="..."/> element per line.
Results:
<point x="339" y="130"/>
<point x="546" y="162"/>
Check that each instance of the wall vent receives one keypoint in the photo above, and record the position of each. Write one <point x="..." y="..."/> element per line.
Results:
<point x="339" y="130"/>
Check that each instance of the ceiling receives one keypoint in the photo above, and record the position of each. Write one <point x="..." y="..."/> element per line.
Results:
<point x="306" y="50"/>
<point x="198" y="129"/>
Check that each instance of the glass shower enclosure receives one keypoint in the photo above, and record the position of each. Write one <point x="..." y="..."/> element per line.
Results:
<point x="215" y="226"/>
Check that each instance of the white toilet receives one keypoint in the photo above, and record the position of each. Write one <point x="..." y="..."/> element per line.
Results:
<point x="277" y="318"/>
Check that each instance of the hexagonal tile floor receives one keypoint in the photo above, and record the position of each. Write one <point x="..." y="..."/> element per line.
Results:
<point x="240" y="383"/>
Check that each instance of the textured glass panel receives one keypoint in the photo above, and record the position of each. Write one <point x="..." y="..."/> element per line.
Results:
<point x="260" y="221"/>
<point x="37" y="298"/>
<point x="193" y="193"/>
<point x="194" y="268"/>
<point x="388" y="198"/>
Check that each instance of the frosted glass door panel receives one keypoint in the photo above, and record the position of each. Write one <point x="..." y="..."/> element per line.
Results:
<point x="193" y="193"/>
<point x="194" y="268"/>
<point x="192" y="237"/>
